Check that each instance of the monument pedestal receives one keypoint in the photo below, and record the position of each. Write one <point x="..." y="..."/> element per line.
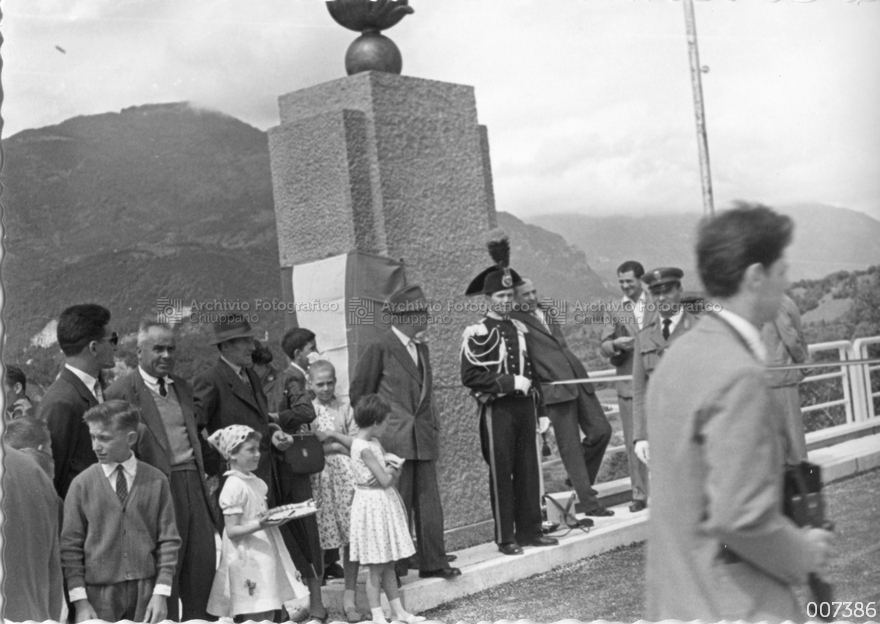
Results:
<point x="398" y="167"/>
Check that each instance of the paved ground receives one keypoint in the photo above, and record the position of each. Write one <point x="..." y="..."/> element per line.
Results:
<point x="611" y="586"/>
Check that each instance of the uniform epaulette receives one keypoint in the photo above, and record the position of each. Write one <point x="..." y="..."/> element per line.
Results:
<point x="477" y="329"/>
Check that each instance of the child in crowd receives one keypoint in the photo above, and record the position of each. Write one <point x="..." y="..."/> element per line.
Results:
<point x="119" y="539"/>
<point x="379" y="529"/>
<point x="333" y="488"/>
<point x="256" y="574"/>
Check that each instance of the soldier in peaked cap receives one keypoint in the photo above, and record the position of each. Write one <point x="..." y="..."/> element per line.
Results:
<point x="496" y="367"/>
<point x="666" y="326"/>
<point x="397" y="367"/>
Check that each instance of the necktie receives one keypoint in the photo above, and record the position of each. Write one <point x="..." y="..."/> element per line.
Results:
<point x="244" y="377"/>
<point x="163" y="391"/>
<point x="413" y="352"/>
<point x="99" y="394"/>
<point x="121" y="485"/>
<point x="666" y="323"/>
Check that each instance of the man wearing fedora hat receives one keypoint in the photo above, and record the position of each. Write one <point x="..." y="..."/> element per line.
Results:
<point x="497" y="368"/>
<point x="667" y="325"/>
<point x="230" y="393"/>
<point x="397" y="367"/>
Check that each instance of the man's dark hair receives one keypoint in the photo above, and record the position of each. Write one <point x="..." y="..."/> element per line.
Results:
<point x="79" y="325"/>
<point x="295" y="339"/>
<point x="262" y="354"/>
<point x="736" y="239"/>
<point x="370" y="410"/>
<point x="26" y="432"/>
<point x="15" y="375"/>
<point x="631" y="265"/>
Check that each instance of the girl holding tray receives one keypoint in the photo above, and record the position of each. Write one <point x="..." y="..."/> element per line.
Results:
<point x="379" y="533"/>
<point x="256" y="574"/>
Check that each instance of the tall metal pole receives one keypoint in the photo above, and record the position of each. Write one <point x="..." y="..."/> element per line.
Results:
<point x="697" y="84"/>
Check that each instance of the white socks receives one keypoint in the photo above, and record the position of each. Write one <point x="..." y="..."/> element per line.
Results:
<point x="378" y="616"/>
<point x="401" y="615"/>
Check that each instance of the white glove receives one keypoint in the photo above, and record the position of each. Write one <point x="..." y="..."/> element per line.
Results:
<point x="543" y="424"/>
<point x="523" y="384"/>
<point x="641" y="450"/>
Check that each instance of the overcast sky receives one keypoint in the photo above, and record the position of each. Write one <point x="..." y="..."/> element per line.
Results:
<point x="588" y="102"/>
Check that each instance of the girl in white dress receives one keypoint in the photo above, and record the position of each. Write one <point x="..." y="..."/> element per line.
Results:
<point x="256" y="574"/>
<point x="379" y="529"/>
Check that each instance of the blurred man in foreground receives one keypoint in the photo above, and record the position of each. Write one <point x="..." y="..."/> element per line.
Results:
<point x="719" y="547"/>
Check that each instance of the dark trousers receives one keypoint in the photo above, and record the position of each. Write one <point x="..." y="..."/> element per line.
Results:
<point x="127" y="600"/>
<point x="509" y="445"/>
<point x="197" y="556"/>
<point x="582" y="460"/>
<point x="421" y="499"/>
<point x="301" y="534"/>
<point x="638" y="470"/>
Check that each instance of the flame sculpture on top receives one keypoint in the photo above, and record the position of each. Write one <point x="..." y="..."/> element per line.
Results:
<point x="372" y="51"/>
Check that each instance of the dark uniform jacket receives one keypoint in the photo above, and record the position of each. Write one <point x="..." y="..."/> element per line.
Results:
<point x="483" y="368"/>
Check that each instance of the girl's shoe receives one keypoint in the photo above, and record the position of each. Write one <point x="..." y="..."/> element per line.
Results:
<point x="409" y="618"/>
<point x="300" y="614"/>
<point x="353" y="615"/>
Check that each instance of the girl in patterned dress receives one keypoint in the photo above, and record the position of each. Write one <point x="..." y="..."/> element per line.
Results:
<point x="256" y="574"/>
<point x="333" y="487"/>
<point x="379" y="528"/>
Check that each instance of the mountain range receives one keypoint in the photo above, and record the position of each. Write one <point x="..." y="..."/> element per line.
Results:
<point x="168" y="200"/>
<point x="826" y="239"/>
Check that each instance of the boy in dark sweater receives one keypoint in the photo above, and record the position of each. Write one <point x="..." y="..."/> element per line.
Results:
<point x="119" y="540"/>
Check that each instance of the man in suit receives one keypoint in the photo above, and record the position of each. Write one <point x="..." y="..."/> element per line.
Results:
<point x="89" y="345"/>
<point x="573" y="409"/>
<point x="786" y="344"/>
<point x="397" y="367"/>
<point x="666" y="326"/>
<point x="618" y="342"/>
<point x="719" y="546"/>
<point x="169" y="441"/>
<point x="229" y="393"/>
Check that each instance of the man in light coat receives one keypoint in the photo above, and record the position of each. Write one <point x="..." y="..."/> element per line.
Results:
<point x="719" y="546"/>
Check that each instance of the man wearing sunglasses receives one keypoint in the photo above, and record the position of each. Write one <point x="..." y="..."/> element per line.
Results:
<point x="89" y="346"/>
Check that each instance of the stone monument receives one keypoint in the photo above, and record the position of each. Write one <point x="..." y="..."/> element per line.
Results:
<point x="398" y="167"/>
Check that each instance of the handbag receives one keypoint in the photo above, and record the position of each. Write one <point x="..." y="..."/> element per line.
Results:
<point x="305" y="455"/>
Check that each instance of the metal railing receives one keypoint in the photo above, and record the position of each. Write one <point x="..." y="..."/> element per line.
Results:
<point x="857" y="398"/>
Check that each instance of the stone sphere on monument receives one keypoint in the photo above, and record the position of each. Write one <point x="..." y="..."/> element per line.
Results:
<point x="372" y="51"/>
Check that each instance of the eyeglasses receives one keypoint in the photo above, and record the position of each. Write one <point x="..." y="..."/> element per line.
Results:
<point x="113" y="339"/>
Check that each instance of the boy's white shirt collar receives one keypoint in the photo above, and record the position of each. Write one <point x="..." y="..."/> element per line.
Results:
<point x="129" y="467"/>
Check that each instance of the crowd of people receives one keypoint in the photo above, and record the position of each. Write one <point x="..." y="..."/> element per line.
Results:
<point x="114" y="494"/>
